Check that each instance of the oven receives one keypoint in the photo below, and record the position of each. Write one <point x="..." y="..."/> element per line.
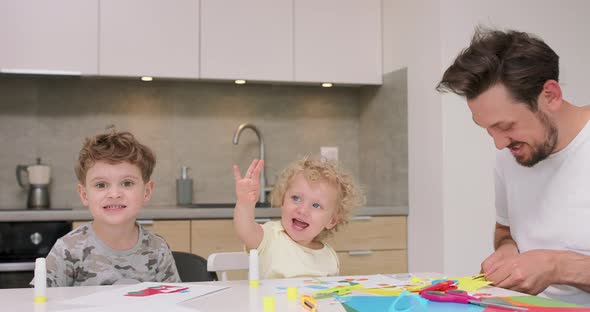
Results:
<point x="21" y="243"/>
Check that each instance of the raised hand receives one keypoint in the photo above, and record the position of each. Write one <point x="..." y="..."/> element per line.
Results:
<point x="248" y="187"/>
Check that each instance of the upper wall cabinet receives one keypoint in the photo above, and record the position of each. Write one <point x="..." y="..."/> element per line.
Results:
<point x="338" y="41"/>
<point x="149" y="38"/>
<point x="307" y="41"/>
<point x="247" y="39"/>
<point x="58" y="36"/>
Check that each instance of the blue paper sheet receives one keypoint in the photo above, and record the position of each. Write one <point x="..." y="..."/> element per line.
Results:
<point x="379" y="303"/>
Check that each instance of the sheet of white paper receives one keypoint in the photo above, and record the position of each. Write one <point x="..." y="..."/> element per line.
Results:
<point x="143" y="307"/>
<point x="145" y="294"/>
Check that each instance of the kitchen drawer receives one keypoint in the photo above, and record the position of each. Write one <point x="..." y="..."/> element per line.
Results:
<point x="371" y="233"/>
<point x="176" y="232"/>
<point x="373" y="262"/>
<point x="211" y="236"/>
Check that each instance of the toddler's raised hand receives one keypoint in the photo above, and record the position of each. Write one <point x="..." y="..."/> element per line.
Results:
<point x="248" y="187"/>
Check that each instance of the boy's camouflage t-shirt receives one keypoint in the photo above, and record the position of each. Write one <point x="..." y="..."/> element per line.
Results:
<point x="80" y="258"/>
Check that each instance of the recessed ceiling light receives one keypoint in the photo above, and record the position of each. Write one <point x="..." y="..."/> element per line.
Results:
<point x="240" y="81"/>
<point x="327" y="84"/>
<point x="147" y="78"/>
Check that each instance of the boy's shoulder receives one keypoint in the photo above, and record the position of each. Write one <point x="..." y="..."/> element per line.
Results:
<point x="153" y="240"/>
<point x="77" y="238"/>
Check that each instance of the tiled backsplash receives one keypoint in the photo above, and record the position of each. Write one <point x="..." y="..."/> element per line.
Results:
<point x="185" y="123"/>
<point x="383" y="141"/>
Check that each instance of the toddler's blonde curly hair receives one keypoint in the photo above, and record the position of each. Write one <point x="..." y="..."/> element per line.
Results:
<point x="350" y="195"/>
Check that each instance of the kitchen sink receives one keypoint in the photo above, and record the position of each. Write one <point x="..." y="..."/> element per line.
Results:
<point x="221" y="205"/>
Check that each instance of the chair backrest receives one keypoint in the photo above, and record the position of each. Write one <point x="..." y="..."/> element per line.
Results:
<point x="192" y="268"/>
<point x="227" y="261"/>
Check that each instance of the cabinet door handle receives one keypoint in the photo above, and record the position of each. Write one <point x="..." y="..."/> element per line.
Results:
<point x="262" y="220"/>
<point x="361" y="218"/>
<point x="146" y="222"/>
<point x="360" y="252"/>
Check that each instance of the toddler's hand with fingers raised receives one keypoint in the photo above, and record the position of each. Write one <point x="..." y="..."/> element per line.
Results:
<point x="248" y="187"/>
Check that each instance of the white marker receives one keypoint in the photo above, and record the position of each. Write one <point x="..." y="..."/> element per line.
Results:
<point x="40" y="281"/>
<point x="253" y="270"/>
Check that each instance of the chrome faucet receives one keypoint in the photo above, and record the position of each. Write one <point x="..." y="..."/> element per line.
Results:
<point x="239" y="129"/>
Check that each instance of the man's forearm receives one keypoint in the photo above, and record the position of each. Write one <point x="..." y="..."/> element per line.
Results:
<point x="502" y="236"/>
<point x="572" y="269"/>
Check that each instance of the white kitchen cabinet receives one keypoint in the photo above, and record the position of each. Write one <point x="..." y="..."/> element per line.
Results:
<point x="338" y="41"/>
<point x="49" y="36"/>
<point x="250" y="40"/>
<point x="149" y="38"/>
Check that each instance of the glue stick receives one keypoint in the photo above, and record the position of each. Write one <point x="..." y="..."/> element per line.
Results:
<point x="292" y="293"/>
<point x="253" y="269"/>
<point x="40" y="281"/>
<point x="268" y="304"/>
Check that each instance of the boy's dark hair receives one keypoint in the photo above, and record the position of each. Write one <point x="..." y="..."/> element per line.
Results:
<point x="115" y="147"/>
<point x="519" y="61"/>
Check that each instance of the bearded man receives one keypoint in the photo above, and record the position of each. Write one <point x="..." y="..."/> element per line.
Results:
<point x="542" y="174"/>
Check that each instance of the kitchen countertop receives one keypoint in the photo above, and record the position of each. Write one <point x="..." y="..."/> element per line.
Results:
<point x="174" y="213"/>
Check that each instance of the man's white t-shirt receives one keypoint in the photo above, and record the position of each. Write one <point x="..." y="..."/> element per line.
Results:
<point x="547" y="206"/>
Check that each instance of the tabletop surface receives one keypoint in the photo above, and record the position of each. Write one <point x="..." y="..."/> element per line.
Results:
<point x="238" y="296"/>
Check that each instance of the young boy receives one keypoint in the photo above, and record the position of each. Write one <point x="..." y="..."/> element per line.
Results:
<point x="113" y="172"/>
<point x="315" y="197"/>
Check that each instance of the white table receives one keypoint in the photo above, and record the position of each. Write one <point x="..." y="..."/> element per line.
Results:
<point x="238" y="297"/>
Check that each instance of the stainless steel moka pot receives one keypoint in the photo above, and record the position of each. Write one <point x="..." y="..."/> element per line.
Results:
<point x="37" y="181"/>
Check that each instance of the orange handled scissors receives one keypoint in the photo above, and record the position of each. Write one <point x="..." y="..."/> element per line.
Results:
<point x="309" y="303"/>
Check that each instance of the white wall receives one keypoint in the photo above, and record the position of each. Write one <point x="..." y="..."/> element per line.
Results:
<point x="456" y="185"/>
<point x="410" y="40"/>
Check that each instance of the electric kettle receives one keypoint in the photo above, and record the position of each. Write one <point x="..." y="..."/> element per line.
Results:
<point x="37" y="183"/>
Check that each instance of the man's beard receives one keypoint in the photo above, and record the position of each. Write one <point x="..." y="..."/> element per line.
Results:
<point x="543" y="150"/>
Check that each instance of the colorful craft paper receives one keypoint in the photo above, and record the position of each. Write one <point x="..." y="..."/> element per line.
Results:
<point x="541" y="309"/>
<point x="471" y="285"/>
<point x="539" y="301"/>
<point x="383" y="291"/>
<point x="376" y="303"/>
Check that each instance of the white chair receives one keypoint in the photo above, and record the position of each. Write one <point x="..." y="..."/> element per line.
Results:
<point x="227" y="261"/>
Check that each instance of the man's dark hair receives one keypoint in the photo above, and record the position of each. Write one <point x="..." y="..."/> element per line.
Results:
<point x="521" y="62"/>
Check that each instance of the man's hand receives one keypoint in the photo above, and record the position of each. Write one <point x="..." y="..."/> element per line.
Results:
<point x="505" y="248"/>
<point x="504" y="252"/>
<point x="530" y="272"/>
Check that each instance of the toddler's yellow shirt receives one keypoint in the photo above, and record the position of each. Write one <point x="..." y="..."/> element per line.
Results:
<point x="282" y="257"/>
